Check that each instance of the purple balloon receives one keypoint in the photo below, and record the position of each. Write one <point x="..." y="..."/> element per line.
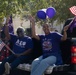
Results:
<point x="41" y="14"/>
<point x="50" y="12"/>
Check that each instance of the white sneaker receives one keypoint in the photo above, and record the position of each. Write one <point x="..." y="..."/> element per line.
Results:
<point x="7" y="68"/>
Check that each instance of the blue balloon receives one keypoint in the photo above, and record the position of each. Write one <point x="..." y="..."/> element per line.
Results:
<point x="50" y="12"/>
<point x="41" y="14"/>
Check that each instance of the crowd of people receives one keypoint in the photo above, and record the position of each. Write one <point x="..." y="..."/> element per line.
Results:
<point x="23" y="45"/>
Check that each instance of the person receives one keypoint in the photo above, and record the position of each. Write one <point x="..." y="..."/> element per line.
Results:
<point x="50" y="46"/>
<point x="71" y="32"/>
<point x="22" y="46"/>
<point x="4" y="52"/>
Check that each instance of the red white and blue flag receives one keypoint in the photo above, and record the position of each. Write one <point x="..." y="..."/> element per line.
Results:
<point x="73" y="22"/>
<point x="2" y="44"/>
<point x="73" y="10"/>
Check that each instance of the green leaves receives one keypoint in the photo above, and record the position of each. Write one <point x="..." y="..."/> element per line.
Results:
<point x="26" y="7"/>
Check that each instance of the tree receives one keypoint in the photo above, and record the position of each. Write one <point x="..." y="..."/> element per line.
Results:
<point x="26" y="7"/>
<point x="61" y="6"/>
<point x="8" y="7"/>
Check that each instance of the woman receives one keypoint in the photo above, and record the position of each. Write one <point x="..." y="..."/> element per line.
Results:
<point x="50" y="46"/>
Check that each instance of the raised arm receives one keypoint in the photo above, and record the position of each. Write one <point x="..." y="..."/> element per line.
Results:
<point x="6" y="30"/>
<point x="33" y="29"/>
<point x="64" y="37"/>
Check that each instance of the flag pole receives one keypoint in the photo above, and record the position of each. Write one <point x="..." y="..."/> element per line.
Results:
<point x="72" y="21"/>
<point x="7" y="47"/>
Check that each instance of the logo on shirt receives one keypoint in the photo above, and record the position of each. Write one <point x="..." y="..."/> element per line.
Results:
<point x="20" y="43"/>
<point x="47" y="45"/>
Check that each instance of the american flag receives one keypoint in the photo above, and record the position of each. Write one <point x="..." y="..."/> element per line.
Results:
<point x="2" y="44"/>
<point x="73" y="10"/>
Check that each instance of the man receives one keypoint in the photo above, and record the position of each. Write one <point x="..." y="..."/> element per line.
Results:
<point x="51" y="50"/>
<point x="22" y="46"/>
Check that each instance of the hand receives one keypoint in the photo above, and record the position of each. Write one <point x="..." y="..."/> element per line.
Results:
<point x="31" y="19"/>
<point x="17" y="55"/>
<point x="7" y="20"/>
<point x="66" y="28"/>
